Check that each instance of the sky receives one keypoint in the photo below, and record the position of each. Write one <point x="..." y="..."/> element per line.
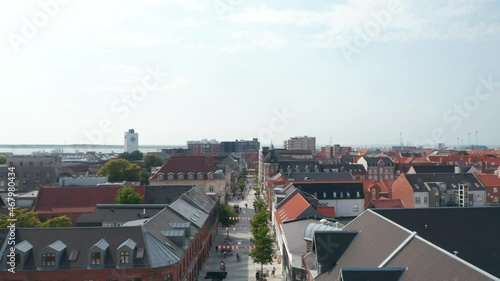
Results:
<point x="348" y="72"/>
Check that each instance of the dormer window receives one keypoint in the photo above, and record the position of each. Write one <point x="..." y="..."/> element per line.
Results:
<point x="161" y="177"/>
<point x="180" y="176"/>
<point x="124" y="257"/>
<point x="210" y="176"/>
<point x="170" y="176"/>
<point x="191" y="176"/>
<point x="95" y="258"/>
<point x="48" y="259"/>
<point x="200" y="176"/>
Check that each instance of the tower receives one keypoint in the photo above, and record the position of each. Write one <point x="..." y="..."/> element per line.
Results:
<point x="131" y="141"/>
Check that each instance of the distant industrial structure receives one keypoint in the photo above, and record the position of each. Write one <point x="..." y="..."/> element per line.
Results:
<point x="131" y="141"/>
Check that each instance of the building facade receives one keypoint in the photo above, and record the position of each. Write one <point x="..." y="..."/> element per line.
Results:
<point x="203" y="147"/>
<point x="301" y="143"/>
<point x="31" y="171"/>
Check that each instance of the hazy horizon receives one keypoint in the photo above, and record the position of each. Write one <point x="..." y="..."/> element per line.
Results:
<point x="349" y="71"/>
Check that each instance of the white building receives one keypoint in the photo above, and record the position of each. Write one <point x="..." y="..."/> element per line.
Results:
<point x="131" y="141"/>
<point x="301" y="143"/>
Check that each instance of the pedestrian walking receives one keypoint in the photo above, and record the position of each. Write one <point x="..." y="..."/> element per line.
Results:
<point x="274" y="271"/>
<point x="216" y="249"/>
<point x="246" y="205"/>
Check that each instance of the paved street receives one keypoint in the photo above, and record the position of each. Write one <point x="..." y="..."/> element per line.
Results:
<point x="244" y="269"/>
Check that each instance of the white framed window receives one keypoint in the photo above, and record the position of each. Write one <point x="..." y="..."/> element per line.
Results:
<point x="161" y="177"/>
<point x="210" y="176"/>
<point x="170" y="176"/>
<point x="210" y="189"/>
<point x="381" y="171"/>
<point x="417" y="200"/>
<point x="425" y="199"/>
<point x="190" y="176"/>
<point x="200" y="176"/>
<point x="355" y="208"/>
<point x="374" y="194"/>
<point x="495" y="189"/>
<point x="180" y="176"/>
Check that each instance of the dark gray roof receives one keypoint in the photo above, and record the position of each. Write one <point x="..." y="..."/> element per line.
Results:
<point x="474" y="224"/>
<point x="448" y="181"/>
<point x="373" y="161"/>
<point x="318" y="176"/>
<point x="199" y="198"/>
<point x="164" y="194"/>
<point x="352" y="168"/>
<point x="81" y="239"/>
<point x="353" y="189"/>
<point x="372" y="274"/>
<point x="118" y="213"/>
<point x="189" y="212"/>
<point x="433" y="169"/>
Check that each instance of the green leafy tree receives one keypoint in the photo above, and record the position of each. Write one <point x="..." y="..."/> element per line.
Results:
<point x="463" y="152"/>
<point x="263" y="252"/>
<point x="25" y="218"/>
<point x="127" y="195"/>
<point x="144" y="177"/>
<point x="118" y="170"/>
<point x="3" y="160"/>
<point x="152" y="160"/>
<point x="132" y="156"/>
<point x="60" y="221"/>
<point x="225" y="212"/>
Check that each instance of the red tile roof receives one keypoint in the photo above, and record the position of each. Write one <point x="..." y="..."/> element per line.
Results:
<point x="186" y="164"/>
<point x="76" y="198"/>
<point x="326" y="211"/>
<point x="489" y="180"/>
<point x="387" y="203"/>
<point x="291" y="209"/>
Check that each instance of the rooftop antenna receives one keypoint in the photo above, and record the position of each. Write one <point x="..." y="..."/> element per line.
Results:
<point x="401" y="140"/>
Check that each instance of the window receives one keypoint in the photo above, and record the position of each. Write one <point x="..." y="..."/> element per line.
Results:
<point x="324" y="195"/>
<point x="374" y="194"/>
<point x="210" y="176"/>
<point x="495" y="189"/>
<point x="48" y="259"/>
<point x="369" y="177"/>
<point x="375" y="177"/>
<point x="341" y="194"/>
<point x="190" y="176"/>
<point x="334" y="194"/>
<point x="417" y="200"/>
<point x="348" y="194"/>
<point x="425" y="199"/>
<point x="358" y="195"/>
<point x="21" y="163"/>
<point x="180" y="176"/>
<point x="170" y="176"/>
<point x="30" y="163"/>
<point x="18" y="259"/>
<point x="167" y="277"/>
<point x="436" y="204"/>
<point x="95" y="258"/>
<point x="161" y="177"/>
<point x="210" y="189"/>
<point x="200" y="176"/>
<point x="37" y="174"/>
<point x="355" y="208"/>
<point x="381" y="171"/>
<point x="124" y="257"/>
<point x="48" y="175"/>
<point x="2" y="175"/>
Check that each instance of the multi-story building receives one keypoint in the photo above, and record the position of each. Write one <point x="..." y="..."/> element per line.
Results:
<point x="378" y="168"/>
<point x="31" y="171"/>
<point x="301" y="143"/>
<point x="131" y="141"/>
<point x="203" y="147"/>
<point x="171" y="245"/>
<point x="246" y="146"/>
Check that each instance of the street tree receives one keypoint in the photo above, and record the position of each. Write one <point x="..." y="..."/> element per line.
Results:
<point x="25" y="218"/>
<point x="3" y="160"/>
<point x="225" y="214"/>
<point x="119" y="170"/>
<point x="127" y="195"/>
<point x="263" y="240"/>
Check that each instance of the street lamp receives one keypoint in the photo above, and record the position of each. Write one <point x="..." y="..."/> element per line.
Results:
<point x="227" y="232"/>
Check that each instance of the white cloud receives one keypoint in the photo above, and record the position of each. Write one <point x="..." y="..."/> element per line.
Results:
<point x="133" y="39"/>
<point x="269" y="40"/>
<point x="188" y="22"/>
<point x="185" y="4"/>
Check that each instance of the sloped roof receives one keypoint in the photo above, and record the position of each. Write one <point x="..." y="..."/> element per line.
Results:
<point x="318" y="176"/>
<point x="118" y="213"/>
<point x="417" y="181"/>
<point x="292" y="209"/>
<point x="353" y="188"/>
<point x="189" y="212"/>
<point x="426" y="169"/>
<point x="67" y="198"/>
<point x="326" y="211"/>
<point x="372" y="274"/>
<point x="199" y="198"/>
<point x="489" y="180"/>
<point x="186" y="164"/>
<point x="441" y="225"/>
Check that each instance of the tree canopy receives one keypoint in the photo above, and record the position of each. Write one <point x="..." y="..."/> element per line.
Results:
<point x="152" y="160"/>
<point x="225" y="212"/>
<point x="119" y="170"/>
<point x="3" y="160"/>
<point x="132" y="156"/>
<point x="127" y="195"/>
<point x="27" y="218"/>
<point x="263" y="251"/>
